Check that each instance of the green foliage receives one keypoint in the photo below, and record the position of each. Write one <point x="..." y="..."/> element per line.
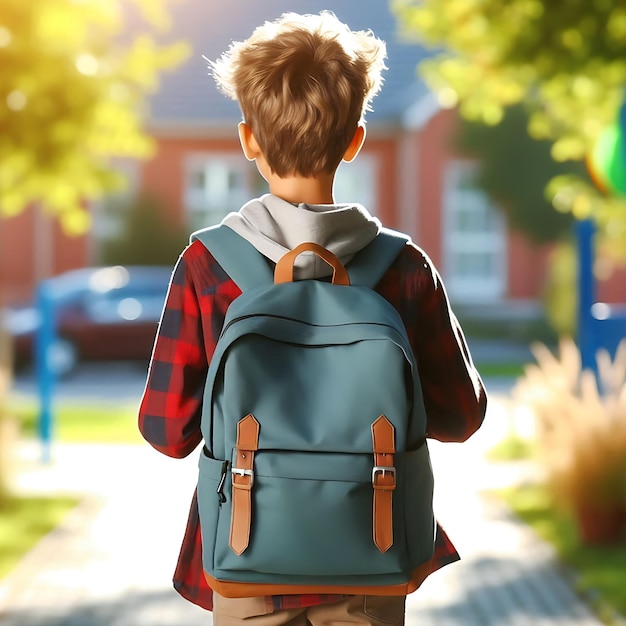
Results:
<point x="567" y="66"/>
<point x="72" y="88"/>
<point x="570" y="63"/>
<point x="148" y="236"/>
<point x="570" y="193"/>
<point x="560" y="289"/>
<point x="514" y="170"/>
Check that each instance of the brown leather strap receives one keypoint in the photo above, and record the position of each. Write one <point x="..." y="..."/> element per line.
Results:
<point x="243" y="479"/>
<point x="284" y="268"/>
<point x="383" y="482"/>
<point x="230" y="589"/>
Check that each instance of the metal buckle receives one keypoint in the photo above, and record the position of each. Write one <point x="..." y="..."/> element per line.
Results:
<point x="382" y="470"/>
<point x="242" y="472"/>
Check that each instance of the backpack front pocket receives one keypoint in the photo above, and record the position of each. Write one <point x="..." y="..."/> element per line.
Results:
<point x="311" y="513"/>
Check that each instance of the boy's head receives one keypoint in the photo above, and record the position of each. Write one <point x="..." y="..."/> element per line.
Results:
<point x="303" y="83"/>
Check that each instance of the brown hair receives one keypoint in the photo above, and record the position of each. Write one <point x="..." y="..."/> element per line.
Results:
<point x="303" y="83"/>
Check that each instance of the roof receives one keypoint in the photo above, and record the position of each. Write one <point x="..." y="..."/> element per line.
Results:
<point x="189" y="97"/>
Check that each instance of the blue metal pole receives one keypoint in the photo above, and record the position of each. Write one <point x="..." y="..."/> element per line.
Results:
<point x="587" y="343"/>
<point x="44" y="339"/>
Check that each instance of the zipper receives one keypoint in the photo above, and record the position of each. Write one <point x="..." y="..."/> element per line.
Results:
<point x="220" y="486"/>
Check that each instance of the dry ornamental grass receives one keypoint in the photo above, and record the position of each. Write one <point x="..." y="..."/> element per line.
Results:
<point x="580" y="425"/>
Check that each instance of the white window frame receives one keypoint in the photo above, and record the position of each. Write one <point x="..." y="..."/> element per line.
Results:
<point x="355" y="182"/>
<point x="462" y="287"/>
<point x="209" y="205"/>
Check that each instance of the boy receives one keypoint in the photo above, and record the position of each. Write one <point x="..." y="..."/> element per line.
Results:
<point x="303" y="84"/>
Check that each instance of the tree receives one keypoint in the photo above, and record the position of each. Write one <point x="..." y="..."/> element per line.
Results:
<point x="566" y="66"/>
<point x="514" y="170"/>
<point x="148" y="235"/>
<point x="72" y="88"/>
<point x="72" y="85"/>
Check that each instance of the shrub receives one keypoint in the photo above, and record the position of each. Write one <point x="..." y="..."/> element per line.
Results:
<point x="580" y="426"/>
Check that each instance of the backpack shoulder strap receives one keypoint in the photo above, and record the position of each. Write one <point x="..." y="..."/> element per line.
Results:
<point x="370" y="264"/>
<point x="238" y="257"/>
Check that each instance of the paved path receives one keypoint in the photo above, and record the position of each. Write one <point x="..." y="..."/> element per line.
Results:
<point x="110" y="562"/>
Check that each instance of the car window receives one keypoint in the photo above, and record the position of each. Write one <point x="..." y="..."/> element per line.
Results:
<point x="122" y="306"/>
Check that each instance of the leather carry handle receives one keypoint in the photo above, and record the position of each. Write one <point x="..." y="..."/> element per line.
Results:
<point x="284" y="268"/>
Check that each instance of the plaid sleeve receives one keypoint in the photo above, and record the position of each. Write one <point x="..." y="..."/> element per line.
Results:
<point x="197" y="299"/>
<point x="454" y="395"/>
<point x="169" y="413"/>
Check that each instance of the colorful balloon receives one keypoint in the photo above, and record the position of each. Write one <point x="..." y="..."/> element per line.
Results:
<point x="622" y="125"/>
<point x="607" y="160"/>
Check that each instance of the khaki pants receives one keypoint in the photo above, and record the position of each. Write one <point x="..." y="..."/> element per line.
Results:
<point x="365" y="610"/>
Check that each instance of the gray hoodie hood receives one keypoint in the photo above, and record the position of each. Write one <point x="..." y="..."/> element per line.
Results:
<point x="274" y="226"/>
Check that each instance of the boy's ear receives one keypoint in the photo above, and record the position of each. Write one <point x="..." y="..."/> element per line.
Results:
<point x="248" y="142"/>
<point x="355" y="144"/>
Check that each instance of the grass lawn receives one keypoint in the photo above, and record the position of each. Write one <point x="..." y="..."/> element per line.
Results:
<point x="500" y="370"/>
<point x="601" y="570"/>
<point x="111" y="423"/>
<point x="511" y="448"/>
<point x="25" y="520"/>
<point x="84" y="423"/>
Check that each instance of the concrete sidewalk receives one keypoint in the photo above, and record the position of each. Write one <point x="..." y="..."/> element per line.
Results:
<point x="111" y="560"/>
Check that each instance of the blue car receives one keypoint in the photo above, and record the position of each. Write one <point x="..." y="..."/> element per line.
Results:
<point x="103" y="313"/>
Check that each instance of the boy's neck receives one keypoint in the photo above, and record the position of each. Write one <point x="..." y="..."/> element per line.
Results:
<point x="297" y="190"/>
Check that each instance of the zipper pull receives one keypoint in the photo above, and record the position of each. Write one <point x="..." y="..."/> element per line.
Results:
<point x="220" y="486"/>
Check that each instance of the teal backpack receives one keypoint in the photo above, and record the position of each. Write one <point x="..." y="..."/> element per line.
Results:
<point x="315" y="476"/>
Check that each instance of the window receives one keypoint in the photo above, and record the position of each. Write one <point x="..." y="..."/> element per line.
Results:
<point x="474" y="239"/>
<point x="109" y="213"/>
<point x="217" y="184"/>
<point x="356" y="182"/>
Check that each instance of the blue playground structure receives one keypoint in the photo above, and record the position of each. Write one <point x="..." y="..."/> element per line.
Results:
<point x="600" y="325"/>
<point x="51" y="294"/>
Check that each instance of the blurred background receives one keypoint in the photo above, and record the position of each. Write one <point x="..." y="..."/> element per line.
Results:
<point x="497" y="142"/>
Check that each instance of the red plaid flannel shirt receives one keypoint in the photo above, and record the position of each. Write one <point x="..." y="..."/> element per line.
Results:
<point x="199" y="294"/>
